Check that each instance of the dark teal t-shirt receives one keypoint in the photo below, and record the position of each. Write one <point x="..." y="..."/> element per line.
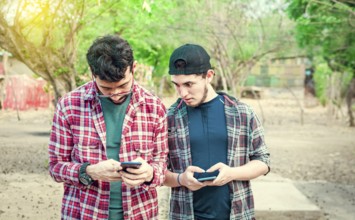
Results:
<point x="209" y="145"/>
<point x="114" y="115"/>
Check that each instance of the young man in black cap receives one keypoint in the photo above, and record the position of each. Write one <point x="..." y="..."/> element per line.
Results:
<point x="210" y="135"/>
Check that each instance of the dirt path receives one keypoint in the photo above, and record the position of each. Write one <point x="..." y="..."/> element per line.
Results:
<point x="318" y="156"/>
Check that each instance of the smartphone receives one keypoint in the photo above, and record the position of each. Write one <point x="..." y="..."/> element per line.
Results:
<point x="207" y="176"/>
<point x="130" y="164"/>
<point x="210" y="178"/>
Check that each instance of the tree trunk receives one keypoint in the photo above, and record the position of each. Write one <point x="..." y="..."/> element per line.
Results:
<point x="59" y="89"/>
<point x="349" y="96"/>
<point x="3" y="79"/>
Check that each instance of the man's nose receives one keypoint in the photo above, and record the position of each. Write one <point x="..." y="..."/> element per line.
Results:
<point x="115" y="91"/>
<point x="183" y="92"/>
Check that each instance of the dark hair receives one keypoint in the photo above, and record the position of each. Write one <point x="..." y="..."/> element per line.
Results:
<point x="109" y="57"/>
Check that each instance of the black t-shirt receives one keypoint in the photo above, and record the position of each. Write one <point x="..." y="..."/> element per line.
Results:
<point x="209" y="143"/>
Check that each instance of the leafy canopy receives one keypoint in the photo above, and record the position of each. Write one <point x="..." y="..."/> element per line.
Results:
<point x="326" y="28"/>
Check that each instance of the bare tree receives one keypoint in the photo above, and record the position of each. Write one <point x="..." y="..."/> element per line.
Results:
<point x="240" y="41"/>
<point x="234" y="34"/>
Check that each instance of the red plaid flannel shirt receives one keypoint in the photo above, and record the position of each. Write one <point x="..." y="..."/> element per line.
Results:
<point x="79" y="135"/>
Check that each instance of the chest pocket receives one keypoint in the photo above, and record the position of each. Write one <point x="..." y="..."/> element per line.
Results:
<point x="87" y="150"/>
<point x="144" y="151"/>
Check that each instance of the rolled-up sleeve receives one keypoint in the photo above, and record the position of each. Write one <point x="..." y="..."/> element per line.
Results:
<point x="258" y="149"/>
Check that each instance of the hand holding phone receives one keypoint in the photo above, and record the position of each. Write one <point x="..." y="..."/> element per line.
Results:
<point x="135" y="173"/>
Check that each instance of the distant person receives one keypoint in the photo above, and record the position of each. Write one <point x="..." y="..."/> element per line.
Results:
<point x="212" y="132"/>
<point x="309" y="84"/>
<point x="97" y="126"/>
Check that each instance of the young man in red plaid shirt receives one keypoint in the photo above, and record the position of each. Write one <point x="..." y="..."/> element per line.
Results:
<point x="97" y="126"/>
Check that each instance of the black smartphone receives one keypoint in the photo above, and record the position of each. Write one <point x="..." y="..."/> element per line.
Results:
<point x="207" y="176"/>
<point x="210" y="178"/>
<point x="130" y="164"/>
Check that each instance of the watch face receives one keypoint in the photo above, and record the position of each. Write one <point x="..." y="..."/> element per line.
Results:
<point x="84" y="180"/>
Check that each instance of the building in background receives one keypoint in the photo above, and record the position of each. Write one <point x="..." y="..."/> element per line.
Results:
<point x="19" y="89"/>
<point x="285" y="72"/>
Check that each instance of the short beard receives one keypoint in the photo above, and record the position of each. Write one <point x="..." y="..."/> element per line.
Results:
<point x="203" y="99"/>
<point x="121" y="100"/>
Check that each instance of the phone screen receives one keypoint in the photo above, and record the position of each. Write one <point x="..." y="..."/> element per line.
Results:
<point x="130" y="164"/>
<point x="207" y="176"/>
<point x="210" y="178"/>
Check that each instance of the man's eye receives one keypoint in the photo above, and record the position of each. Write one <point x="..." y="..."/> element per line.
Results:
<point x="124" y="87"/>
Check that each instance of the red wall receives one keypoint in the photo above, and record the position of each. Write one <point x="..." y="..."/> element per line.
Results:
<point x="23" y="93"/>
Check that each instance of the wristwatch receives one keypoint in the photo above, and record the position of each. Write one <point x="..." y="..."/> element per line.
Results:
<point x="84" y="178"/>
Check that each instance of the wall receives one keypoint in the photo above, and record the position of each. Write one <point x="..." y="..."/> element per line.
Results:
<point x="278" y="73"/>
<point x="23" y="93"/>
<point x="19" y="90"/>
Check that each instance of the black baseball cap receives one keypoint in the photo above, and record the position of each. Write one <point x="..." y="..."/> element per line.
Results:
<point x="196" y="60"/>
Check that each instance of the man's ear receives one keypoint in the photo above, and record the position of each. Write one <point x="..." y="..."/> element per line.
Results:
<point x="210" y="75"/>
<point x="134" y="67"/>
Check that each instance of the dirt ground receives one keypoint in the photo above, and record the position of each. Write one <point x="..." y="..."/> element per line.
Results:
<point x="318" y="156"/>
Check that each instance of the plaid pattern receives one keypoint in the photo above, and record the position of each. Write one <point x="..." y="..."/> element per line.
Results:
<point x="245" y="143"/>
<point x="79" y="135"/>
